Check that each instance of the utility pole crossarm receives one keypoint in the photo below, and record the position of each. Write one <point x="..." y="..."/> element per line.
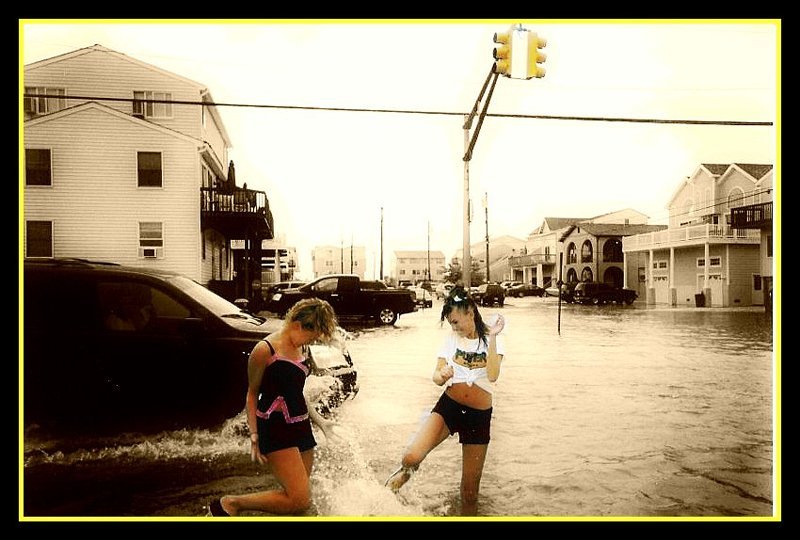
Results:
<point x="468" y="123"/>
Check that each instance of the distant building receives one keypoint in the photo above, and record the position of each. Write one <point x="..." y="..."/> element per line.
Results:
<point x="501" y="249"/>
<point x="719" y="240"/>
<point x="278" y="261"/>
<point x="339" y="260"/>
<point x="552" y="249"/>
<point x="412" y="266"/>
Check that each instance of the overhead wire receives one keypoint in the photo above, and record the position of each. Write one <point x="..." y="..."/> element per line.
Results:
<point x="413" y="111"/>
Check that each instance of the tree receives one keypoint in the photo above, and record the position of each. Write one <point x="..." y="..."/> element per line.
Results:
<point x="453" y="273"/>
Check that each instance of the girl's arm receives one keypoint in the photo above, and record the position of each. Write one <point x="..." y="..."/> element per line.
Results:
<point x="443" y="372"/>
<point x="493" y="359"/>
<point x="256" y="364"/>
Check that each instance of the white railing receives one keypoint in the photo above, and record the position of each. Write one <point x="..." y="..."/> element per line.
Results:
<point x="693" y="234"/>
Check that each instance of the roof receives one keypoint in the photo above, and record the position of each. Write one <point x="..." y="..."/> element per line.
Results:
<point x="612" y="229"/>
<point x="203" y="92"/>
<point x="418" y="253"/>
<point x="556" y="223"/>
<point x="754" y="170"/>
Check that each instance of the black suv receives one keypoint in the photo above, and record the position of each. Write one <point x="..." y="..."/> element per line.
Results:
<point x="489" y="294"/>
<point x="589" y="292"/>
<point x="115" y="347"/>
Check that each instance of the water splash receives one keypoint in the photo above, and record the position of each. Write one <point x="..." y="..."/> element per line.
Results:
<point x="345" y="485"/>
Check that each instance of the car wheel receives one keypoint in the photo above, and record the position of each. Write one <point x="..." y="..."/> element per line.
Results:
<point x="387" y="316"/>
<point x="519" y="295"/>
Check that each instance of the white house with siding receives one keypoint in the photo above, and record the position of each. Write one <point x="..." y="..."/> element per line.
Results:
<point x="701" y="252"/>
<point x="127" y="162"/>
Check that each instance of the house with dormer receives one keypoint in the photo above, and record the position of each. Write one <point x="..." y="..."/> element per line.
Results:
<point x="127" y="162"/>
<point x="708" y="257"/>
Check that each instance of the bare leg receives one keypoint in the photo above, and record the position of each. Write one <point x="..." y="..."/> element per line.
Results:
<point x="429" y="436"/>
<point x="292" y="470"/>
<point x="473" y="457"/>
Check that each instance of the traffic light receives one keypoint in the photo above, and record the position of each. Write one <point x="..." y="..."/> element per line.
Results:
<point x="502" y="54"/>
<point x="535" y="55"/>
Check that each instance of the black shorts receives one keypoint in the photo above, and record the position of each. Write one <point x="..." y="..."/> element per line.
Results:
<point x="472" y="425"/>
<point x="275" y="434"/>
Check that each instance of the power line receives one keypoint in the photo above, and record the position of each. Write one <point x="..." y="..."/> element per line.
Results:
<point x="411" y="111"/>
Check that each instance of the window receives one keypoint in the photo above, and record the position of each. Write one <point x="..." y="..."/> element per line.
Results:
<point x="149" y="169"/>
<point x="37" y="167"/>
<point x="151" y="234"/>
<point x="587" y="274"/>
<point x="701" y="263"/>
<point x="44" y="105"/>
<point x="142" y="106"/>
<point x="612" y="250"/>
<point x="715" y="261"/>
<point x="587" y="252"/>
<point x="756" y="282"/>
<point x="39" y="238"/>
<point x="736" y="198"/>
<point x="572" y="254"/>
<point x="769" y="245"/>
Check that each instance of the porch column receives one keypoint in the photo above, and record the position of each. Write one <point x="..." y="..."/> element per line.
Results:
<point x="706" y="286"/>
<point x="673" y="290"/>
<point x="651" y="291"/>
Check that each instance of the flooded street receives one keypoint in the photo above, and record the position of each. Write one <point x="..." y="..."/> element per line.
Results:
<point x="630" y="411"/>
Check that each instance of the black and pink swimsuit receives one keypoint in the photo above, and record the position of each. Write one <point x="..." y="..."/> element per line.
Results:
<point x="282" y="414"/>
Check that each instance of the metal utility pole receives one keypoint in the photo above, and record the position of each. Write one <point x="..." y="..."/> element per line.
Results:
<point x="381" y="277"/>
<point x="429" y="251"/>
<point x="469" y="145"/>
<point x="486" y="208"/>
<point x="351" y="253"/>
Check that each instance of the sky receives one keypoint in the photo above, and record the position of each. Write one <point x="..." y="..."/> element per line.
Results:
<point x="338" y="178"/>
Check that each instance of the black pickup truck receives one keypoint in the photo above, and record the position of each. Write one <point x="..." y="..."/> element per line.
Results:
<point x="350" y="298"/>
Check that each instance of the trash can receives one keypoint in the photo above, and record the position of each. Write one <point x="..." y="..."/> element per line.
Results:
<point x="700" y="300"/>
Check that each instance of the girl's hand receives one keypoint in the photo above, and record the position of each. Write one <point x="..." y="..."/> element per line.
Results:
<point x="446" y="373"/>
<point x="496" y="326"/>
<point x="255" y="454"/>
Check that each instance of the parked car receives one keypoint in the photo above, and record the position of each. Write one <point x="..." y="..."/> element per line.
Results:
<point x="524" y="289"/>
<point x="110" y="348"/>
<point x="590" y="292"/>
<point x="489" y="294"/>
<point x="566" y="291"/>
<point x="508" y="284"/>
<point x="443" y="289"/>
<point x="281" y="286"/>
<point x="349" y="298"/>
<point x="422" y="297"/>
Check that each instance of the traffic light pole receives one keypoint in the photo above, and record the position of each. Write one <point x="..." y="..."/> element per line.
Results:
<point x="469" y="145"/>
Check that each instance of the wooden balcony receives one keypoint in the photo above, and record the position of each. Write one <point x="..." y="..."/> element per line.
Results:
<point x="531" y="259"/>
<point x="243" y="213"/>
<point x="754" y="216"/>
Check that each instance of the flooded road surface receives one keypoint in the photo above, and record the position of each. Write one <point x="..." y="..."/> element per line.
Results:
<point x="629" y="411"/>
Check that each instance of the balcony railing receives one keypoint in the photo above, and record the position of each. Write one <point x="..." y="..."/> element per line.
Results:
<point x="233" y="212"/>
<point x="694" y="234"/>
<point x="754" y="216"/>
<point x="240" y="201"/>
<point x="531" y="259"/>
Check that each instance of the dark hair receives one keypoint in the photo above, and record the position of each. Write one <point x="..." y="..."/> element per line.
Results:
<point x="458" y="298"/>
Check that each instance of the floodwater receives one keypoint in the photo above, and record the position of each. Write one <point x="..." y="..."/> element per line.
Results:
<point x="631" y="411"/>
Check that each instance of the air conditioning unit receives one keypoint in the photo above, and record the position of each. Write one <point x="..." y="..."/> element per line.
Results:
<point x="150" y="252"/>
